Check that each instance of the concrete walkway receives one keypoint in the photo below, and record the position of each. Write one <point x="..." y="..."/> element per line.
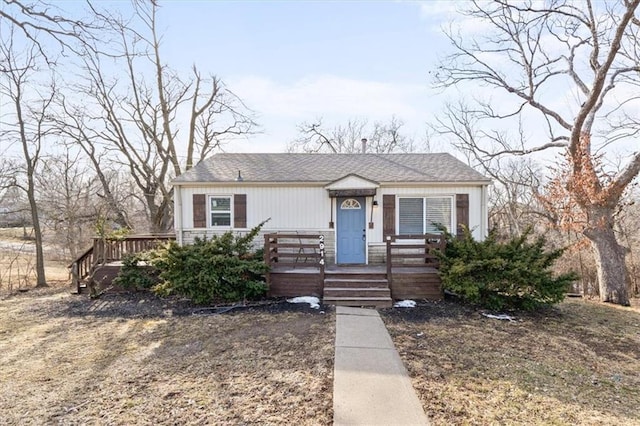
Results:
<point x="370" y="383"/>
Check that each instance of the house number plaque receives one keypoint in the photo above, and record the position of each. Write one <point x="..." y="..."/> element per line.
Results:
<point x="321" y="245"/>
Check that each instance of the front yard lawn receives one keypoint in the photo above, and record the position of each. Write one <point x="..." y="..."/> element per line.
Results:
<point x="140" y="360"/>
<point x="577" y="363"/>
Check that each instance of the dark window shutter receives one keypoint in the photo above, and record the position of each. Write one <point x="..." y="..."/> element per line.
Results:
<point x="388" y="215"/>
<point x="462" y="213"/>
<point x="240" y="211"/>
<point x="199" y="211"/>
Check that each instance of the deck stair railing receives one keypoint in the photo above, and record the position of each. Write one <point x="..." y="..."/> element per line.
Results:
<point x="111" y="250"/>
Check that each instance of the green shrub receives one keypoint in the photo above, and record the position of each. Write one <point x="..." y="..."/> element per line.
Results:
<point x="133" y="276"/>
<point x="222" y="268"/>
<point x="512" y="275"/>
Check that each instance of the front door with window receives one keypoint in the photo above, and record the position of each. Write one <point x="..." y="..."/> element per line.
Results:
<point x="351" y="230"/>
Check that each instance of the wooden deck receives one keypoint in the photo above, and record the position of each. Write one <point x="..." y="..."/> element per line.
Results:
<point x="356" y="282"/>
<point x="410" y="272"/>
<point x="101" y="263"/>
<point x="298" y="268"/>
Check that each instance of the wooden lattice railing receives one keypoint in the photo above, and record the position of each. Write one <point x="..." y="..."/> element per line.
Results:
<point x="414" y="250"/>
<point x="115" y="250"/>
<point x="294" y="251"/>
<point x="111" y="250"/>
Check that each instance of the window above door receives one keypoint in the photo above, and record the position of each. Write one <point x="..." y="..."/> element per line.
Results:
<point x="350" y="204"/>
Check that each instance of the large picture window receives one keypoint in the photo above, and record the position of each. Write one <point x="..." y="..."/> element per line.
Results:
<point x="220" y="208"/>
<point x="420" y="215"/>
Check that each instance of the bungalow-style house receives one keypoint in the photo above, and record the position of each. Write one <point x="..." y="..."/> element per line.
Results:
<point x="355" y="203"/>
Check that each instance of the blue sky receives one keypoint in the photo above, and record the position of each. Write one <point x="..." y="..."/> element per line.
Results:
<point x="299" y="61"/>
<point x="285" y="41"/>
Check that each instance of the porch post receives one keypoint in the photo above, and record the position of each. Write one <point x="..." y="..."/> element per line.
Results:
<point x="389" y="261"/>
<point x="267" y="257"/>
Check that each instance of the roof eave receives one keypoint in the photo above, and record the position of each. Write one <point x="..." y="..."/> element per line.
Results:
<point x="324" y="183"/>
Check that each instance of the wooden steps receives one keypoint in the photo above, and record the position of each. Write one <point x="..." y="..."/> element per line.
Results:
<point x="103" y="278"/>
<point x="376" y="302"/>
<point x="356" y="283"/>
<point x="330" y="292"/>
<point x="357" y="287"/>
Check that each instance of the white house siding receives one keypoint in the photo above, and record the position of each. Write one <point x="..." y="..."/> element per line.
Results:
<point x="303" y="210"/>
<point x="307" y="209"/>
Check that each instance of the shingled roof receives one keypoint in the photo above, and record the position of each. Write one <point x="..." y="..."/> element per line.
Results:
<point x="325" y="168"/>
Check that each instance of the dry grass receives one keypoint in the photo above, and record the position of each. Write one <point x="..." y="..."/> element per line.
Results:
<point x="14" y="233"/>
<point x="17" y="270"/>
<point x="63" y="364"/>
<point x="578" y="363"/>
<point x="18" y="263"/>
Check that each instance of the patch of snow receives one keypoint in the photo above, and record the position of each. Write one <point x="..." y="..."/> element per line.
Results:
<point x="499" y="317"/>
<point x="314" y="302"/>
<point x="405" y="304"/>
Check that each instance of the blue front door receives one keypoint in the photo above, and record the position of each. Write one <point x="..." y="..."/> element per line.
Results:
<point x="351" y="232"/>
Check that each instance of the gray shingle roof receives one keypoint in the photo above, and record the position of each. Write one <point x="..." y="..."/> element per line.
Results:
<point x="381" y="168"/>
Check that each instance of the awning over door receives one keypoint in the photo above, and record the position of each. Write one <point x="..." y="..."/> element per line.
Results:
<point x="352" y="185"/>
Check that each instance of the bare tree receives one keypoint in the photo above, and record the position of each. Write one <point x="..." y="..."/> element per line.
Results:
<point x="381" y="137"/>
<point x="14" y="206"/>
<point x="512" y="198"/>
<point x="26" y="126"/>
<point x="46" y="27"/>
<point x="68" y="199"/>
<point x="531" y="51"/>
<point x="143" y="115"/>
<point x="629" y="223"/>
<point x="73" y="124"/>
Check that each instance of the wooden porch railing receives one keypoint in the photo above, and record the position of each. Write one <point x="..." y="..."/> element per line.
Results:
<point x="410" y="251"/>
<point x="105" y="251"/>
<point x="116" y="250"/>
<point x="294" y="251"/>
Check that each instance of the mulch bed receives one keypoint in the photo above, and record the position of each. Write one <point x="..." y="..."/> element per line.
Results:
<point x="144" y="304"/>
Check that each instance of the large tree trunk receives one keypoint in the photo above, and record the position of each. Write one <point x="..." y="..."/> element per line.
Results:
<point x="41" y="280"/>
<point x="31" y="161"/>
<point x="609" y="257"/>
<point x="160" y="216"/>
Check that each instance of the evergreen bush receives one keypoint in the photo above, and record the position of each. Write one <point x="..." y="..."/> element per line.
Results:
<point x="221" y="268"/>
<point x="512" y="275"/>
<point x="133" y="276"/>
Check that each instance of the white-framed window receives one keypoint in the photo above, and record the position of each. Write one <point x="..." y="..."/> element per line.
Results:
<point x="350" y="204"/>
<point x="220" y="211"/>
<point x="420" y="215"/>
